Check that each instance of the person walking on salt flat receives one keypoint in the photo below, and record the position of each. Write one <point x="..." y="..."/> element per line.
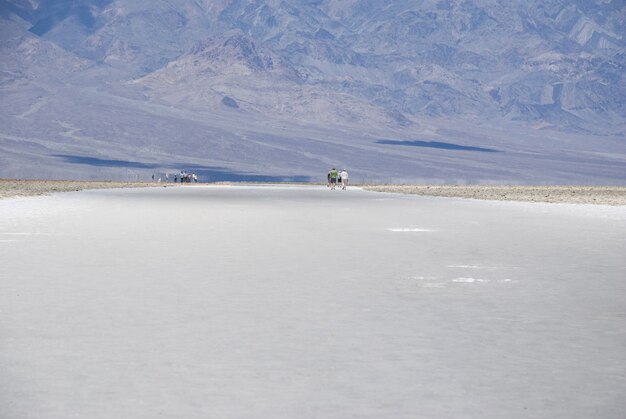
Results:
<point x="333" y="178"/>
<point x="344" y="179"/>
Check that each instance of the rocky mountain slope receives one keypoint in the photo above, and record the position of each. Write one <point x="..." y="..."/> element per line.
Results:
<point x="88" y="78"/>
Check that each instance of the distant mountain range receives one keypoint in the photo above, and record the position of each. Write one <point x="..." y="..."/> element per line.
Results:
<point x="265" y="89"/>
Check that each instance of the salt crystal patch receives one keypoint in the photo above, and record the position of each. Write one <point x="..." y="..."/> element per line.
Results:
<point x="407" y="230"/>
<point x="470" y="280"/>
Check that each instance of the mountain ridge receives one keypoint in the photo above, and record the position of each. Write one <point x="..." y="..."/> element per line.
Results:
<point x="359" y="68"/>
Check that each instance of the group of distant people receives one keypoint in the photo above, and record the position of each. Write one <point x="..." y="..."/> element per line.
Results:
<point x="334" y="177"/>
<point x="184" y="177"/>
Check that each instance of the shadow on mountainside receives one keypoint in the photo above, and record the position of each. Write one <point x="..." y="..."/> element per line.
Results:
<point x="204" y="173"/>
<point x="94" y="161"/>
<point x="437" y="144"/>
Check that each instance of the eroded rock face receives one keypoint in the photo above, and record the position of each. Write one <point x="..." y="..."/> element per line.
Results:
<point x="554" y="62"/>
<point x="90" y="78"/>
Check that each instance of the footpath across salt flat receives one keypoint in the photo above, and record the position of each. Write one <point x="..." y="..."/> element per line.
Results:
<point x="301" y="302"/>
